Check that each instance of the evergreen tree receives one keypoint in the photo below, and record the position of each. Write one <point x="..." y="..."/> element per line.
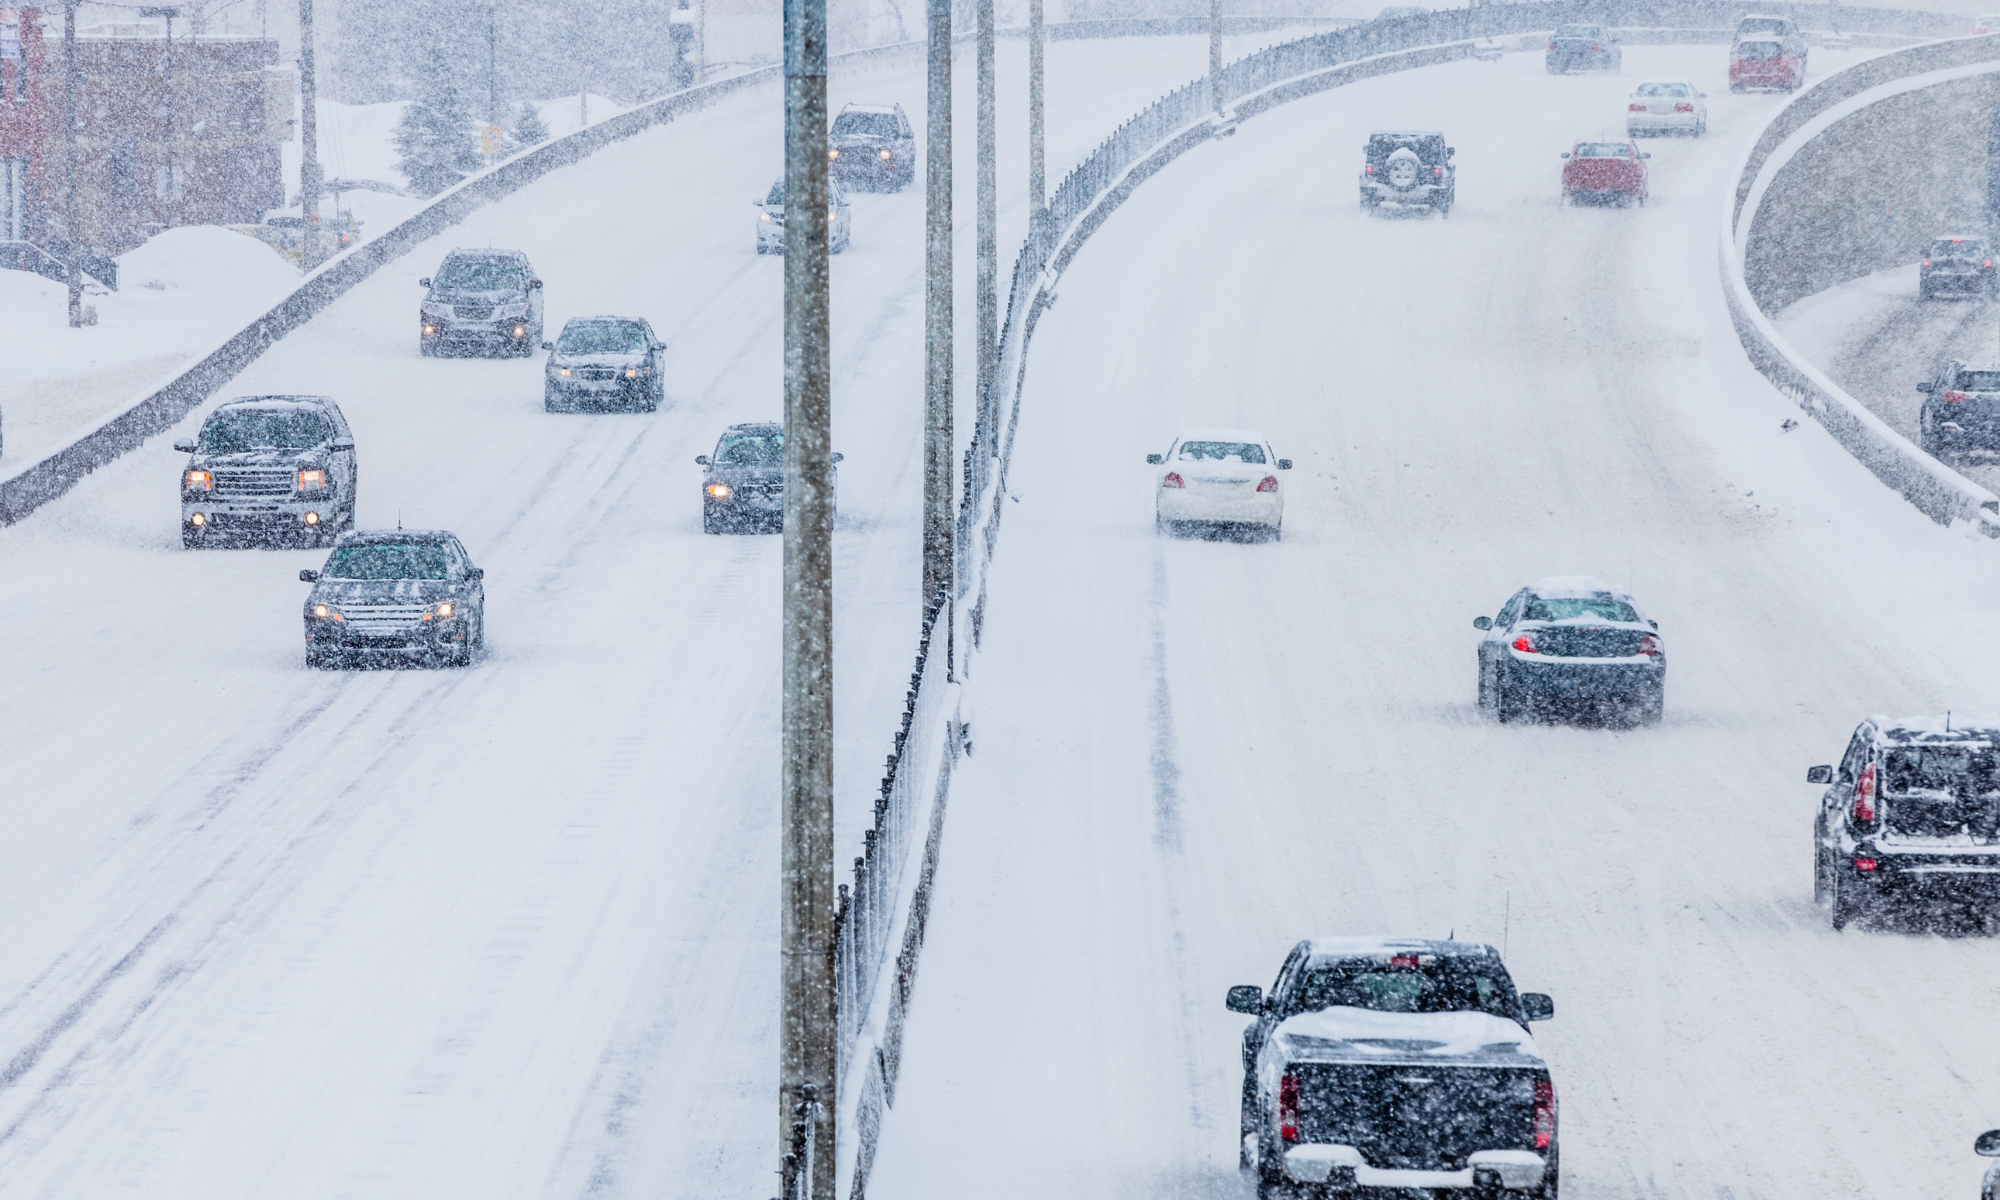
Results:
<point x="436" y="145"/>
<point x="529" y="129"/>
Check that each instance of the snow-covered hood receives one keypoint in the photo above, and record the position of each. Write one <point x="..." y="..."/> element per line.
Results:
<point x="558" y="359"/>
<point x="502" y="296"/>
<point x="379" y="591"/>
<point x="258" y="458"/>
<point x="1365" y="1035"/>
<point x="758" y="472"/>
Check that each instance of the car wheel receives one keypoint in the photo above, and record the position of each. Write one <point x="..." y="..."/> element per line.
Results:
<point x="1484" y="687"/>
<point x="320" y="660"/>
<point x="1846" y="902"/>
<point x="426" y="348"/>
<point x="1507" y="705"/>
<point x="709" y="522"/>
<point x="461" y="655"/>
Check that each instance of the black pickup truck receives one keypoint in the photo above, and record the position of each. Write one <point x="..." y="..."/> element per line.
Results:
<point x="1395" y="1063"/>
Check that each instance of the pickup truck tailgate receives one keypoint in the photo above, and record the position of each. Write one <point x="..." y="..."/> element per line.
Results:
<point x="1424" y="1116"/>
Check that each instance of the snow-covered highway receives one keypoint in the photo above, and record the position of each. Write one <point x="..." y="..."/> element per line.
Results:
<point x="1191" y="754"/>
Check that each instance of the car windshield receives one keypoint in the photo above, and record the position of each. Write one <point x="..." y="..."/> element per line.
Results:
<point x="1603" y="150"/>
<point x="866" y="124"/>
<point x="1970" y="766"/>
<point x="1662" y="89"/>
<point x="481" y="275"/>
<point x="1955" y="248"/>
<point x="1760" y="25"/>
<point x="1977" y="381"/>
<point x="402" y="560"/>
<point x="777" y="197"/>
<point x="1410" y="983"/>
<point x="602" y="337"/>
<point x="1242" y="452"/>
<point x="751" y="447"/>
<point x="1579" y="31"/>
<point x="1758" y="51"/>
<point x="233" y="431"/>
<point x="1569" y="608"/>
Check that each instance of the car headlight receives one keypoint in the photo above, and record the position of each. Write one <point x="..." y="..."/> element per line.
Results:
<point x="833" y="154"/>
<point x="763" y="216"/>
<point x="199" y="481"/>
<point x="631" y="372"/>
<point x="884" y="153"/>
<point x="312" y="481"/>
<point x="324" y="613"/>
<point x="719" y="490"/>
<point x="562" y="370"/>
<point x="445" y="608"/>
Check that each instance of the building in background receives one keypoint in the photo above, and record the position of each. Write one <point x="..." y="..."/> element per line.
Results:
<point x="199" y="146"/>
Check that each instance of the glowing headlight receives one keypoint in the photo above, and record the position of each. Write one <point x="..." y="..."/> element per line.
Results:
<point x="885" y="154"/>
<point x="319" y="610"/>
<point x="833" y="154"/>
<point x="631" y="372"/>
<point x="429" y="329"/>
<point x="520" y="331"/>
<point x="446" y="608"/>
<point x="719" y="490"/>
<point x="764" y="216"/>
<point x="312" y="481"/>
<point x="200" y="481"/>
<point x="562" y="370"/>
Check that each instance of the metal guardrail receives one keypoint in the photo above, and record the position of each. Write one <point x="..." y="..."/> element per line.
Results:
<point x="1933" y="488"/>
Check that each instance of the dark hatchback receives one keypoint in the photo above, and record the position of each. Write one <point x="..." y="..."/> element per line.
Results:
<point x="1582" y="48"/>
<point x="396" y="595"/>
<point x="1569" y="647"/>
<point x="1955" y="266"/>
<point x="1961" y="413"/>
<point x="605" y="362"/>
<point x="268" y="469"/>
<point x="872" y="146"/>
<point x="743" y="482"/>
<point x="1912" y="812"/>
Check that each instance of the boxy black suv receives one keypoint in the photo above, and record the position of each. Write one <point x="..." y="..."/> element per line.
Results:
<point x="1911" y="812"/>
<point x="872" y="146"/>
<point x="268" y="469"/>
<point x="483" y="302"/>
<point x="395" y="594"/>
<point x="1955" y="266"/>
<point x="1411" y="167"/>
<point x="1961" y="413"/>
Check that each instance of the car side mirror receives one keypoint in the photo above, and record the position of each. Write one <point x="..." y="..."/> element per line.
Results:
<point x="1987" y="1145"/>
<point x="701" y="460"/>
<point x="548" y="345"/>
<point x="1537" y="1007"/>
<point x="424" y="282"/>
<point x="1482" y="622"/>
<point x="1284" y="464"/>
<point x="1653" y="623"/>
<point x="534" y="283"/>
<point x="1451" y="152"/>
<point x="475" y="574"/>
<point x="1249" y="998"/>
<point x="1565" y="154"/>
<point x="340" y="444"/>
<point x="1701" y="95"/>
<point x="659" y="345"/>
<point x="1821" y="774"/>
<point x="1155" y="459"/>
<point x="1644" y="154"/>
<point x="308" y="576"/>
<point x="837" y="456"/>
<point x="1924" y="387"/>
<point x="185" y="445"/>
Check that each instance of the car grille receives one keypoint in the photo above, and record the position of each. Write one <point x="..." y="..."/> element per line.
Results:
<point x="472" y="312"/>
<point x="254" y="483"/>
<point x="760" y="490"/>
<point x="597" y="373"/>
<point x="383" y="618"/>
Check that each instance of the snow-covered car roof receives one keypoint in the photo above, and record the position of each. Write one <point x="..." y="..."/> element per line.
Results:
<point x="494" y="255"/>
<point x="1366" y="947"/>
<point x="1576" y="587"/>
<point x="889" y="109"/>
<point x="394" y="537"/>
<point x="759" y="425"/>
<point x="276" y="402"/>
<point x="602" y="318"/>
<point x="1221" y="435"/>
<point x="1947" y="727"/>
<point x="1403" y="133"/>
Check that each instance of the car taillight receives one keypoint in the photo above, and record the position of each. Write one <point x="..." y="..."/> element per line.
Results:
<point x="1635" y="108"/>
<point x="1173" y="479"/>
<point x="1864" y="796"/>
<point x="1927" y="262"/>
<point x="1683" y="108"/>
<point x="1368" y="170"/>
<point x="1954" y="397"/>
<point x="1649" y="646"/>
<point x="1865" y="864"/>
<point x="1270" y="484"/>
<point x="1288" y="1107"/>
<point x="1525" y="643"/>
<point x="1595" y="48"/>
<point x="1552" y="45"/>
<point x="1987" y="263"/>
<point x="1545" y="1113"/>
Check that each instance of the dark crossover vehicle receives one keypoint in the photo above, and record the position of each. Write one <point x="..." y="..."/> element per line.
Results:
<point x="395" y="594"/>
<point x="602" y="362"/>
<point x="483" y="302"/>
<point x="1987" y="1145"/>
<point x="1955" y="266"/>
<point x="1408" y="167"/>
<point x="1961" y="413"/>
<point x="1759" y="27"/>
<point x="1393" y="1063"/>
<point x="1583" y="48"/>
<point x="872" y="147"/>
<point x="268" y="469"/>
<point x="771" y="221"/>
<point x="1568" y="645"/>
<point x="1911" y="812"/>
<point x="743" y="485"/>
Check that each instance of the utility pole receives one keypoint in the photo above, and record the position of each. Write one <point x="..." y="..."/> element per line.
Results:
<point x="806" y="1030"/>
<point x="173" y="193"/>
<point x="69" y="136"/>
<point x="987" y="260"/>
<point x="937" y="306"/>
<point x="1038" y="186"/>
<point x="492" y="67"/>
<point x="310" y="179"/>
<point x="1215" y="53"/>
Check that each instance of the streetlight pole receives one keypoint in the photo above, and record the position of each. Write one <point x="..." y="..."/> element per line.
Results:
<point x="937" y="306"/>
<point x="69" y="171"/>
<point x="987" y="268"/>
<point x="1038" y="188"/>
<point x="310" y="178"/>
<point x="806" y="1055"/>
<point x="173" y="193"/>
<point x="1215" y="53"/>
<point x="492" y="66"/>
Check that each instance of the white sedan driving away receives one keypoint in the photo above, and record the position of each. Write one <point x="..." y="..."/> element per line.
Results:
<point x="1666" y="106"/>
<point x="1221" y="477"/>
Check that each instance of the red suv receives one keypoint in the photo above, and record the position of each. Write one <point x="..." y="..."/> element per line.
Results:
<point x="1764" y="63"/>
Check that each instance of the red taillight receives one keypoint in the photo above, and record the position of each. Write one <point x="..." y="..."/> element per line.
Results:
<point x="1545" y="1113"/>
<point x="1403" y="960"/>
<point x="1525" y="643"/>
<point x="1987" y="263"/>
<point x="1683" y="108"/>
<point x="1635" y="108"/>
<point x="1864" y="864"/>
<point x="1173" y="479"/>
<point x="1649" y="646"/>
<point x="1596" y="49"/>
<point x="1288" y="1107"/>
<point x="1552" y="45"/>
<point x="1927" y="262"/>
<point x="1864" y="796"/>
<point x="1368" y="170"/>
<point x="1270" y="484"/>
<point x="1437" y="170"/>
<point x="1954" y="397"/>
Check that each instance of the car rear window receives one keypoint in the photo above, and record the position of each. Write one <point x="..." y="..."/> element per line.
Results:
<point x="1978" y="381"/>
<point x="1941" y="768"/>
<point x="1663" y="89"/>
<point x="1579" y="31"/>
<point x="1569" y="608"/>
<point x="1603" y="150"/>
<point x="1409" y="983"/>
<point x="1758" y="51"/>
<point x="474" y="275"/>
<point x="232" y="432"/>
<point x="1760" y="25"/>
<point x="863" y="124"/>
<point x="602" y="337"/>
<point x="751" y="447"/>
<point x="389" y="561"/>
<point x="1955" y="248"/>
<point x="1242" y="452"/>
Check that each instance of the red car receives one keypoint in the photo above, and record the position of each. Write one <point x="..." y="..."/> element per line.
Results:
<point x="1600" y="172"/>
<point x="1764" y="64"/>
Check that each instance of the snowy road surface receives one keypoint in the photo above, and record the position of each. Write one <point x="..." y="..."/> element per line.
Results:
<point x="496" y="932"/>
<point x="1191" y="754"/>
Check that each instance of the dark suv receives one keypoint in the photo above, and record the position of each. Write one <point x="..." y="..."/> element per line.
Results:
<point x="395" y="594"/>
<point x="483" y="302"/>
<point x="1955" y="266"/>
<point x="1410" y="167"/>
<point x="871" y="146"/>
<point x="1961" y="413"/>
<point x="743" y="483"/>
<point x="1582" y="48"/>
<point x="1913" y="810"/>
<point x="268" y="469"/>
<point x="599" y="362"/>
<point x="1569" y="644"/>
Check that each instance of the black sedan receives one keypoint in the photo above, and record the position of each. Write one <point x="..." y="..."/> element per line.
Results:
<point x="743" y="483"/>
<point x="605" y="362"/>
<point x="396" y="595"/>
<point x="1568" y="647"/>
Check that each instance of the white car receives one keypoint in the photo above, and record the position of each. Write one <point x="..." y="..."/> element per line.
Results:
<point x="1222" y="477"/>
<point x="1985" y="25"/>
<point x="771" y="221"/>
<point x="1666" y="106"/>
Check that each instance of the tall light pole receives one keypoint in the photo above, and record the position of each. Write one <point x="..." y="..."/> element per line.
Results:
<point x="310" y="178"/>
<point x="69" y="171"/>
<point x="492" y="65"/>
<point x="806" y="1031"/>
<point x="937" y="306"/>
<point x="1038" y="186"/>
<point x="173" y="193"/>
<point x="987" y="254"/>
<point x="1215" y="53"/>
